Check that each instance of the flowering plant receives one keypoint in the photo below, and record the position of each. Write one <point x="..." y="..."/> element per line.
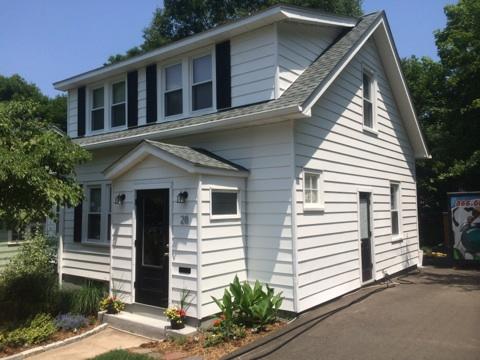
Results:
<point x="112" y="304"/>
<point x="176" y="314"/>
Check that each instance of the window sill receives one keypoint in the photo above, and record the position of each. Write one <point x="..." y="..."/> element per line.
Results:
<point x="16" y="243"/>
<point x="370" y="130"/>
<point x="397" y="239"/>
<point x="319" y="208"/>
<point x="96" y="244"/>
<point x="225" y="217"/>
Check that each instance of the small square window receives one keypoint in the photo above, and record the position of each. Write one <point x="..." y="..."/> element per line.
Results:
<point x="312" y="189"/>
<point x="224" y="203"/>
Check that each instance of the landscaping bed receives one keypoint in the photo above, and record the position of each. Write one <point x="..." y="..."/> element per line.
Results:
<point x="190" y="346"/>
<point x="58" y="335"/>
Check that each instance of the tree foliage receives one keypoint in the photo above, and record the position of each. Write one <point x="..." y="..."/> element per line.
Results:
<point x="181" y="18"/>
<point x="447" y="97"/>
<point x="17" y="88"/>
<point x="37" y="165"/>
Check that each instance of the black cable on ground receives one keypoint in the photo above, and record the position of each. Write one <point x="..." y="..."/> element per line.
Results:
<point x="311" y="323"/>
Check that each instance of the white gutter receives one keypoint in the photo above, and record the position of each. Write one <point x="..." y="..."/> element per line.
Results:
<point x="276" y="115"/>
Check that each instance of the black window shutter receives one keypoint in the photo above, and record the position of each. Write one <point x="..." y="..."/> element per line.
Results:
<point x="132" y="93"/>
<point x="151" y="75"/>
<point x="81" y="112"/>
<point x="223" y="72"/>
<point x="77" y="223"/>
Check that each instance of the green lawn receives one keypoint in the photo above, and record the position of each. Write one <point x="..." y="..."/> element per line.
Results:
<point x="121" y="355"/>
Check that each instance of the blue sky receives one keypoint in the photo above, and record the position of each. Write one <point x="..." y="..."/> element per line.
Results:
<point x="49" y="40"/>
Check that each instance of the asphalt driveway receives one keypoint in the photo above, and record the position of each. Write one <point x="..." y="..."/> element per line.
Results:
<point x="427" y="314"/>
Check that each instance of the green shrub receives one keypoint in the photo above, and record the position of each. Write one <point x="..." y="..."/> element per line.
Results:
<point x="252" y="307"/>
<point x="40" y="329"/>
<point x="121" y="355"/>
<point x="28" y="284"/>
<point x="223" y="331"/>
<point x="86" y="300"/>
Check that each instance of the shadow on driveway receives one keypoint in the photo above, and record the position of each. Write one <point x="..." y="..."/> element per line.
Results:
<point x="427" y="314"/>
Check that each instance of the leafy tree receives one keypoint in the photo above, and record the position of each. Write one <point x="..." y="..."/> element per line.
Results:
<point x="447" y="98"/>
<point x="17" y="88"/>
<point x="181" y="18"/>
<point x="36" y="165"/>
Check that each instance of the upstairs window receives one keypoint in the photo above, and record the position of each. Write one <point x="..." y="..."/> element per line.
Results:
<point x="98" y="104"/>
<point x="118" y="113"/>
<point x="202" y="83"/>
<point x="394" y="208"/>
<point x="368" y="91"/>
<point x="173" y="90"/>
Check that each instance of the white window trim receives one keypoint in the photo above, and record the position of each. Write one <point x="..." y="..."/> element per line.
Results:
<point x="210" y="52"/>
<point x="107" y="106"/>
<point x="398" y="236"/>
<point x="103" y="215"/>
<point x="111" y="104"/>
<point x="225" y="190"/>
<point x="163" y="90"/>
<point x="320" y="205"/>
<point x="372" y="75"/>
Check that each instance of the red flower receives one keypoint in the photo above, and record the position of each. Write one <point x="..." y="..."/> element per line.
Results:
<point x="217" y="323"/>
<point x="182" y="313"/>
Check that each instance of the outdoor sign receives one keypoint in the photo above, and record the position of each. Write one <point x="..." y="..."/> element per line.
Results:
<point x="465" y="222"/>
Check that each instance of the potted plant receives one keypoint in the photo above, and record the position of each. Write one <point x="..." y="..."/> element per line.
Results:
<point x="176" y="316"/>
<point x="112" y="304"/>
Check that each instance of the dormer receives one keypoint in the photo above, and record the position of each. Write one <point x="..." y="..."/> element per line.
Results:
<point x="249" y="61"/>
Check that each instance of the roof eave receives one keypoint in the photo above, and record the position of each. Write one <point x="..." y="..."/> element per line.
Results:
<point x="276" y="115"/>
<point x="219" y="33"/>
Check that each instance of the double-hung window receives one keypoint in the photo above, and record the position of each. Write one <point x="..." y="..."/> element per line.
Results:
<point x="97" y="213"/>
<point x="368" y="100"/>
<point x="312" y="191"/>
<point x="97" y="112"/>
<point x="202" y="88"/>
<point x="94" y="215"/>
<point x="394" y="208"/>
<point x="118" y="113"/>
<point x="173" y="90"/>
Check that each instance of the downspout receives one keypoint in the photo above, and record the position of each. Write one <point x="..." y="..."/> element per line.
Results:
<point x="199" y="248"/>
<point x="294" y="220"/>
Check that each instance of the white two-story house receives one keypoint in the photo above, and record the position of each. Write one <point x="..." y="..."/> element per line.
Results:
<point x="280" y="147"/>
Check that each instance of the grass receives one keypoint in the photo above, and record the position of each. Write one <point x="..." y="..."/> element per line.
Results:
<point x="121" y="355"/>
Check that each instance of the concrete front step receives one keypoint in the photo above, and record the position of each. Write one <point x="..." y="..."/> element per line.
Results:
<point x="144" y="325"/>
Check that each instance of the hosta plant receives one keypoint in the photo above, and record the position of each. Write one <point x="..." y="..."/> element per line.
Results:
<point x="250" y="306"/>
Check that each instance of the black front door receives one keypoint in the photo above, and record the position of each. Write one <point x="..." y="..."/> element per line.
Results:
<point x="152" y="213"/>
<point x="366" y="237"/>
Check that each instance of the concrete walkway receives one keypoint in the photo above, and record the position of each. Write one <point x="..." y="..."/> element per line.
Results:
<point x="105" y="340"/>
<point x="431" y="314"/>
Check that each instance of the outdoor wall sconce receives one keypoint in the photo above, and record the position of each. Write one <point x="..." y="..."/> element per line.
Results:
<point x="119" y="199"/>
<point x="181" y="197"/>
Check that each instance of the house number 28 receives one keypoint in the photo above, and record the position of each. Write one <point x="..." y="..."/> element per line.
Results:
<point x="184" y="220"/>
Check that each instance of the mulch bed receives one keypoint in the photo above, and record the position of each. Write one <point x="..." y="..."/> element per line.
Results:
<point x="58" y="336"/>
<point x="192" y="346"/>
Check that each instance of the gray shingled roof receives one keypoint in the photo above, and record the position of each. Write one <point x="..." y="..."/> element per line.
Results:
<point x="197" y="156"/>
<point x="297" y="94"/>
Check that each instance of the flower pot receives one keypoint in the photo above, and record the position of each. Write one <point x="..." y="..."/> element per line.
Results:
<point x="175" y="324"/>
